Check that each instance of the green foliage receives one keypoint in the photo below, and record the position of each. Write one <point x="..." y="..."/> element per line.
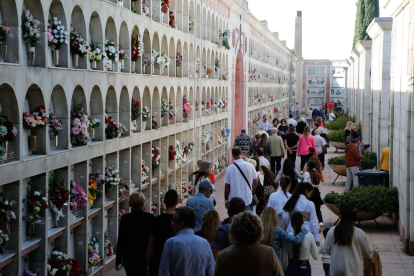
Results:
<point x="369" y="161"/>
<point x="369" y="199"/>
<point x="340" y="160"/>
<point x="336" y="136"/>
<point x="338" y="123"/>
<point x="366" y="11"/>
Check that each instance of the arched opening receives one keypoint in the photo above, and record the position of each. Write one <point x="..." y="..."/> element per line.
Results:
<point x="173" y="103"/>
<point x="191" y="18"/>
<point x="208" y="26"/>
<point x="156" y="109"/>
<point x="112" y="40"/>
<point x="10" y="17"/>
<point x="213" y="28"/>
<point x="198" y="68"/>
<point x="179" y="15"/>
<point x="125" y="47"/>
<point x="185" y="17"/>
<point x="185" y="61"/>
<point x="36" y="9"/>
<point x="191" y="61"/>
<point x="136" y="57"/>
<point x="146" y="105"/>
<point x="10" y="108"/>
<point x="78" y="100"/>
<point x="96" y="39"/>
<point x="146" y="63"/>
<point x="97" y="112"/>
<point x="174" y="66"/>
<point x="125" y="111"/>
<point x="198" y="25"/>
<point x="203" y="105"/>
<point x="191" y="99"/>
<point x="136" y="117"/>
<point x="156" y="47"/>
<point x="180" y="50"/>
<point x="208" y="65"/>
<point x="59" y="108"/>
<point x="61" y="59"/>
<point x="204" y="64"/>
<point x="197" y="103"/>
<point x="164" y="107"/>
<point x="164" y="51"/>
<point x="179" y="117"/>
<point x="111" y="106"/>
<point x="204" y="25"/>
<point x="77" y="23"/>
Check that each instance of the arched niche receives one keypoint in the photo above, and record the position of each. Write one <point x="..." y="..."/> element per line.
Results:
<point x="156" y="47"/>
<point x="191" y="14"/>
<point x="216" y="97"/>
<point x="197" y="102"/>
<point x="213" y="28"/>
<point x="191" y="61"/>
<point x="212" y="64"/>
<point x="204" y="25"/>
<point x="111" y="104"/>
<point x="185" y="94"/>
<point x="36" y="9"/>
<point x="78" y="97"/>
<point x="203" y="100"/>
<point x="185" y="17"/>
<point x="220" y="70"/>
<point x="147" y="52"/>
<point x="138" y="63"/>
<point x="10" y="108"/>
<point x="96" y="105"/>
<point x="203" y="66"/>
<point x="208" y="26"/>
<point x="157" y="14"/>
<point x="146" y="102"/>
<point x="125" y="110"/>
<point x="125" y="44"/>
<point x="174" y="70"/>
<point x="164" y="96"/>
<point x="179" y="108"/>
<point x="59" y="107"/>
<point x="56" y="10"/>
<point x="173" y="103"/>
<point x="198" y="62"/>
<point x="77" y="22"/>
<point x="33" y="100"/>
<point x="185" y="61"/>
<point x="191" y="99"/>
<point x="198" y="22"/>
<point x="156" y="106"/>
<point x="9" y="16"/>
<point x="208" y="64"/>
<point x="136" y="96"/>
<point x="96" y="35"/>
<point x="179" y="14"/>
<point x="164" y="50"/>
<point x="111" y="36"/>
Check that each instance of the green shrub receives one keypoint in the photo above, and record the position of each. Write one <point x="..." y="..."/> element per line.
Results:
<point x="369" y="199"/>
<point x="340" y="160"/>
<point x="336" y="136"/>
<point x="369" y="161"/>
<point x="338" y="123"/>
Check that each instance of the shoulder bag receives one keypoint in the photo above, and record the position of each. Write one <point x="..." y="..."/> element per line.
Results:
<point x="311" y="149"/>
<point x="255" y="200"/>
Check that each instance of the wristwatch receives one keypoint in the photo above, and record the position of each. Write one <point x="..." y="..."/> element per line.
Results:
<point x="226" y="201"/>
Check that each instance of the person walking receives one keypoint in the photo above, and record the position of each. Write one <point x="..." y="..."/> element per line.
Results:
<point x="291" y="121"/>
<point x="277" y="151"/>
<point x="326" y="257"/>
<point x="297" y="110"/>
<point x="134" y="230"/>
<point x="309" y="117"/>
<point x="255" y="144"/>
<point x="326" y="107"/>
<point x="299" y="264"/>
<point x="269" y="186"/>
<point x="319" y="122"/>
<point x="352" y="163"/>
<point x="263" y="161"/>
<point x="259" y="192"/>
<point x="265" y="145"/>
<point x="161" y="231"/>
<point x="320" y="144"/>
<point x="301" y="126"/>
<point x="291" y="144"/>
<point x="330" y="106"/>
<point x="312" y="175"/>
<point x="274" y="236"/>
<point x="299" y="202"/>
<point x="322" y="114"/>
<point x="283" y="128"/>
<point x="243" y="141"/>
<point x="211" y="222"/>
<point x="348" y="130"/>
<point x="222" y="238"/>
<point x="290" y="171"/>
<point x="201" y="202"/>
<point x="315" y="114"/>
<point x="186" y="254"/>
<point x="306" y="147"/>
<point x="240" y="179"/>
<point x="264" y="122"/>
<point x="204" y="173"/>
<point x="278" y="199"/>
<point x="348" y="245"/>
<point x="246" y="256"/>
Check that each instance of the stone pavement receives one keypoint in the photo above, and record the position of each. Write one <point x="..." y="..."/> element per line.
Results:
<point x="385" y="240"/>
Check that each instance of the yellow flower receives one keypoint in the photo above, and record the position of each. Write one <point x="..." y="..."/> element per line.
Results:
<point x="91" y="197"/>
<point x="98" y="58"/>
<point x="91" y="55"/>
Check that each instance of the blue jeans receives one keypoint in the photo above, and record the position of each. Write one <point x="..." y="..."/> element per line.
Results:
<point x="327" y="268"/>
<point x="297" y="269"/>
<point x="297" y="114"/>
<point x="249" y="207"/>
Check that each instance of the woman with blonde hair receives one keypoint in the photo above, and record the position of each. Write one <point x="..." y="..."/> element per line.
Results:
<point x="348" y="129"/>
<point x="306" y="147"/>
<point x="274" y="236"/>
<point x="211" y="222"/>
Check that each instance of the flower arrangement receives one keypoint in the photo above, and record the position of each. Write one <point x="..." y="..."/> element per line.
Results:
<point x="58" y="196"/>
<point x="57" y="36"/>
<point x="108" y="247"/>
<point x="54" y="125"/>
<point x="178" y="59"/>
<point x="93" y="192"/>
<point x="207" y="147"/>
<point x="137" y="45"/>
<point x="163" y="61"/>
<point x="80" y="124"/>
<point x="209" y="72"/>
<point x="77" y="44"/>
<point x="29" y="273"/>
<point x="190" y="24"/>
<point x="7" y="130"/>
<point x="4" y="239"/>
<point x="164" y="108"/>
<point x="190" y="147"/>
<point x="146" y="62"/>
<point x="171" y="153"/>
<point x="144" y="171"/>
<point x="95" y="53"/>
<point x="145" y="9"/>
<point x="165" y="6"/>
<point x="110" y="50"/>
<point x="112" y="177"/>
<point x="172" y="20"/>
<point x="155" y="155"/>
<point x="93" y="123"/>
<point x="93" y="252"/>
<point x="153" y="208"/>
<point x="221" y="162"/>
<point x="123" y="190"/>
<point x="113" y="130"/>
<point x="155" y="124"/>
<point x="59" y="261"/>
<point x="122" y="55"/>
<point x="31" y="29"/>
<point x="217" y="64"/>
<point x="146" y="113"/>
<point x="35" y="205"/>
<point x="196" y="105"/>
<point x="4" y="33"/>
<point x="6" y="210"/>
<point x="171" y="113"/>
<point x="76" y="268"/>
<point x="225" y="74"/>
<point x="35" y="121"/>
<point x="120" y="214"/>
<point x="186" y="107"/>
<point x="190" y="188"/>
<point x="77" y="196"/>
<point x="253" y="75"/>
<point x="198" y="66"/>
<point x="134" y="6"/>
<point x="226" y="36"/>
<point x="154" y="56"/>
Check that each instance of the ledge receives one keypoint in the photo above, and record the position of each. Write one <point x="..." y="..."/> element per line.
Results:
<point x="93" y="212"/>
<point x="54" y="233"/>
<point x="144" y="186"/>
<point x="134" y="190"/>
<point x="6" y="259"/>
<point x="154" y="181"/>
<point x="109" y="204"/>
<point x="30" y="245"/>
<point x="110" y="259"/>
<point x="122" y="200"/>
<point x="76" y="223"/>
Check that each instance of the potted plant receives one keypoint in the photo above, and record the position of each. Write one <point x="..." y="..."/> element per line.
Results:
<point x="36" y="204"/>
<point x="80" y="126"/>
<point x="77" y="47"/>
<point x="337" y="139"/>
<point x="337" y="164"/>
<point x="146" y="114"/>
<point x="111" y="181"/>
<point x="77" y="199"/>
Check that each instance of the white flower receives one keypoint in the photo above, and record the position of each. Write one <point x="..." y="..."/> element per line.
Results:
<point x="58" y="28"/>
<point x="111" y="49"/>
<point x="55" y="41"/>
<point x="37" y="35"/>
<point x="61" y="40"/>
<point x="66" y="41"/>
<point x="55" y="23"/>
<point x="27" y="13"/>
<point x="36" y="193"/>
<point x="6" y="202"/>
<point x="60" y="22"/>
<point x="62" y="31"/>
<point x="55" y="31"/>
<point x="3" y="131"/>
<point x="54" y="18"/>
<point x="44" y="199"/>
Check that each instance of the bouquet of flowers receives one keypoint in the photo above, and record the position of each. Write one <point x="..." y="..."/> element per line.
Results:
<point x="93" y="192"/>
<point x="76" y="268"/>
<point x="77" y="44"/>
<point x="155" y="155"/>
<point x="146" y="62"/>
<point x="35" y="205"/>
<point x="190" y="24"/>
<point x="94" y="123"/>
<point x="198" y="66"/>
<point x="7" y="130"/>
<point x="196" y="105"/>
<point x="137" y="45"/>
<point x="146" y="113"/>
<point x="113" y="130"/>
<point x="95" y="54"/>
<point x="120" y="214"/>
<point x="31" y="29"/>
<point x="108" y="248"/>
<point x="145" y="169"/>
<point x="4" y="239"/>
<point x="190" y="147"/>
<point x="171" y="153"/>
<point x="135" y="108"/>
<point x="165" y="108"/>
<point x="225" y="74"/>
<point x="145" y="9"/>
<point x="35" y="121"/>
<point x="4" y="33"/>
<point x="253" y="75"/>
<point x="80" y="124"/>
<point x="154" y="56"/>
<point x="165" y="6"/>
<point x="111" y="177"/>
<point x="186" y="107"/>
<point x="207" y="147"/>
<point x="59" y="261"/>
<point x="186" y="150"/>
<point x="153" y="208"/>
<point x="154" y="123"/>
<point x="123" y="190"/>
<point x="190" y="188"/>
<point x="58" y="196"/>
<point x="178" y="59"/>
<point x="77" y="196"/>
<point x="226" y="36"/>
<point x="209" y="72"/>
<point x="54" y="125"/>
<point x="93" y="251"/>
<point x="172" y="20"/>
<point x="217" y="64"/>
<point x="110" y="49"/>
<point x="221" y="162"/>
<point x="6" y="213"/>
<point x="134" y="6"/>
<point x="57" y="36"/>
<point x="171" y="113"/>
<point x="122" y="55"/>
<point x="163" y="61"/>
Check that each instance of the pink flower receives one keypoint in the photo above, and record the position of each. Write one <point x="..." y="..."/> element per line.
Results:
<point x="84" y="118"/>
<point x="84" y="129"/>
<point x="75" y="130"/>
<point x="76" y="122"/>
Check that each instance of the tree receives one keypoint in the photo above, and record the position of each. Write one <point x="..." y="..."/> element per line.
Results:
<point x="367" y="10"/>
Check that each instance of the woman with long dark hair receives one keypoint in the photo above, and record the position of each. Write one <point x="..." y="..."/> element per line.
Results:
<point x="204" y="174"/>
<point x="299" y="202"/>
<point x="347" y="245"/>
<point x="290" y="171"/>
<point x="264" y="143"/>
<point x="299" y="253"/>
<point x="283" y="128"/>
<point x="313" y="176"/>
<point x="259" y="192"/>
<point x="278" y="199"/>
<point x="268" y="181"/>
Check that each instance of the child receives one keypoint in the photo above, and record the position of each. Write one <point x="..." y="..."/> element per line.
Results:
<point x="326" y="257"/>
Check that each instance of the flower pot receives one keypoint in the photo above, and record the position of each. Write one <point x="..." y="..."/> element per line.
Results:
<point x="5" y="227"/>
<point x="55" y="220"/>
<point x="122" y="64"/>
<point x="75" y="60"/>
<point x="108" y="191"/>
<point x="90" y="203"/>
<point x="133" y="66"/>
<point x="55" y="57"/>
<point x="144" y="124"/>
<point x="31" y="229"/>
<point x="338" y="145"/>
<point x="133" y="125"/>
<point x="93" y="64"/>
<point x="33" y="144"/>
<point x="339" y="169"/>
<point x="3" y="52"/>
<point x="93" y="134"/>
<point x="360" y="215"/>
<point x="31" y="55"/>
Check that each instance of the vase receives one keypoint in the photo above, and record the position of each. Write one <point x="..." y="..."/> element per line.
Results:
<point x="122" y="64"/>
<point x="134" y="125"/>
<point x="108" y="191"/>
<point x="6" y="146"/>
<point x="90" y="203"/>
<point x="33" y="144"/>
<point x="144" y="69"/>
<point x="93" y="134"/>
<point x="31" y="229"/>
<point x="178" y="69"/>
<point x="133" y="67"/>
<point x="55" y="141"/>
<point x="76" y="60"/>
<point x="93" y="64"/>
<point x="144" y="124"/>
<point x="109" y="65"/>
<point x="162" y="70"/>
<point x="5" y="227"/>
<point x="31" y="54"/>
<point x="55" y="57"/>
<point x="55" y="221"/>
<point x="3" y="51"/>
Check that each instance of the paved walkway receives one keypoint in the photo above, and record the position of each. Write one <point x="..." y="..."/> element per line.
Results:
<point x="385" y="240"/>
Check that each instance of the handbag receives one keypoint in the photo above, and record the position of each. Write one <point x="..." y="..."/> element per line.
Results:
<point x="255" y="200"/>
<point x="311" y="149"/>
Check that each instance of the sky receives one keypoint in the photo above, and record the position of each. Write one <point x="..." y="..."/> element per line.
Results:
<point x="327" y="25"/>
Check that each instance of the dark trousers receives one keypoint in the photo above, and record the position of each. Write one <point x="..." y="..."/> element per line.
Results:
<point x="327" y="268"/>
<point x="318" y="211"/>
<point x="321" y="158"/>
<point x="135" y="266"/>
<point x="298" y="269"/>
<point x="292" y="156"/>
<point x="277" y="160"/>
<point x="304" y="159"/>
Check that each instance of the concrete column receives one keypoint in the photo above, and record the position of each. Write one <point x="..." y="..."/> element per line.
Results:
<point x="298" y="35"/>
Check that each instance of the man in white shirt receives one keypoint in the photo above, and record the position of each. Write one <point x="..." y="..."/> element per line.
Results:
<point x="264" y="122"/>
<point x="331" y="116"/>
<point x="320" y="144"/>
<point x="236" y="185"/>
<point x="291" y="121"/>
<point x="262" y="159"/>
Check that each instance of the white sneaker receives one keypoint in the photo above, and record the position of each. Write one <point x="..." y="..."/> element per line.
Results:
<point x="320" y="227"/>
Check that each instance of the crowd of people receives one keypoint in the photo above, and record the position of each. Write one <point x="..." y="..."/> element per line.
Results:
<point x="274" y="216"/>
